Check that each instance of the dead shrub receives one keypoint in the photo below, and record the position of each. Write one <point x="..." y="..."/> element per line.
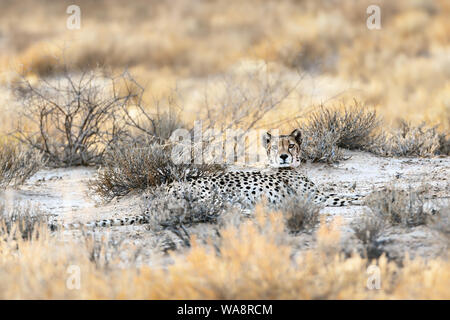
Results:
<point x="411" y="141"/>
<point x="107" y="252"/>
<point x="353" y="125"/>
<point x="138" y="166"/>
<point x="368" y="229"/>
<point x="321" y="147"/>
<point x="441" y="220"/>
<point x="18" y="163"/>
<point x="157" y="125"/>
<point x="242" y="101"/>
<point x="74" y="117"/>
<point x="185" y="207"/>
<point x="329" y="129"/>
<point x="399" y="207"/>
<point x="300" y="213"/>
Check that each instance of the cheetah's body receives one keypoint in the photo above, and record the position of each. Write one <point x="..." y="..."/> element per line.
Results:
<point x="251" y="186"/>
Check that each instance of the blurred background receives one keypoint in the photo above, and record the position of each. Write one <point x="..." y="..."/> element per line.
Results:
<point x="319" y="52"/>
<point x="239" y="64"/>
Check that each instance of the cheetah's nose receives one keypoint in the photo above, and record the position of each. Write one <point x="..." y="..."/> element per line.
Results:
<point x="284" y="156"/>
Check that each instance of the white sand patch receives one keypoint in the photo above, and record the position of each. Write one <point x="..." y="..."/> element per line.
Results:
<point x="64" y="193"/>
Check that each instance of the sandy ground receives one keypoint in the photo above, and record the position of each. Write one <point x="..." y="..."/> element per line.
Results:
<point x="64" y="193"/>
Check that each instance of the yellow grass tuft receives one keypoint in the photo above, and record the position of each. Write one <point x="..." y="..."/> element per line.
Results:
<point x="253" y="262"/>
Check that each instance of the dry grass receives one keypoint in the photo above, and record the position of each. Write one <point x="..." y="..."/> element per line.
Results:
<point x="401" y="69"/>
<point x="253" y="263"/>
<point x="399" y="207"/>
<point x="395" y="207"/>
<point x="185" y="207"/>
<point x="368" y="229"/>
<point x="23" y="222"/>
<point x="74" y="118"/>
<point x="356" y="127"/>
<point x="193" y="48"/>
<point x="138" y="166"/>
<point x="329" y="129"/>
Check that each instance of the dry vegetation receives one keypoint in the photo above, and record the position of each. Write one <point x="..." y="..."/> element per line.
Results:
<point x="184" y="209"/>
<point x="72" y="121"/>
<point x="21" y="222"/>
<point x="357" y="127"/>
<point x="394" y="207"/>
<point x="329" y="129"/>
<point x="441" y="221"/>
<point x="402" y="69"/>
<point x="408" y="140"/>
<point x="239" y="267"/>
<point x="138" y="166"/>
<point x="234" y="65"/>
<point x="398" y="206"/>
<point x="300" y="213"/>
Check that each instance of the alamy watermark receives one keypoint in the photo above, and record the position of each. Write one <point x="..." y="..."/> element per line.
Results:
<point x="73" y="281"/>
<point x="373" y="22"/>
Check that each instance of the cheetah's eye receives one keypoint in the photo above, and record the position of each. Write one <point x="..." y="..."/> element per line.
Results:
<point x="291" y="146"/>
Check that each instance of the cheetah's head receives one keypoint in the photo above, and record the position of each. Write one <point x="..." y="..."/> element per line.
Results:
<point x="283" y="151"/>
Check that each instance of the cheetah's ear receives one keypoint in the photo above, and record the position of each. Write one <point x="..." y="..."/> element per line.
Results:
<point x="297" y="135"/>
<point x="266" y="139"/>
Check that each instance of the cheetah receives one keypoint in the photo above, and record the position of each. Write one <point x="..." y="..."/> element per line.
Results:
<point x="282" y="181"/>
<point x="284" y="155"/>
